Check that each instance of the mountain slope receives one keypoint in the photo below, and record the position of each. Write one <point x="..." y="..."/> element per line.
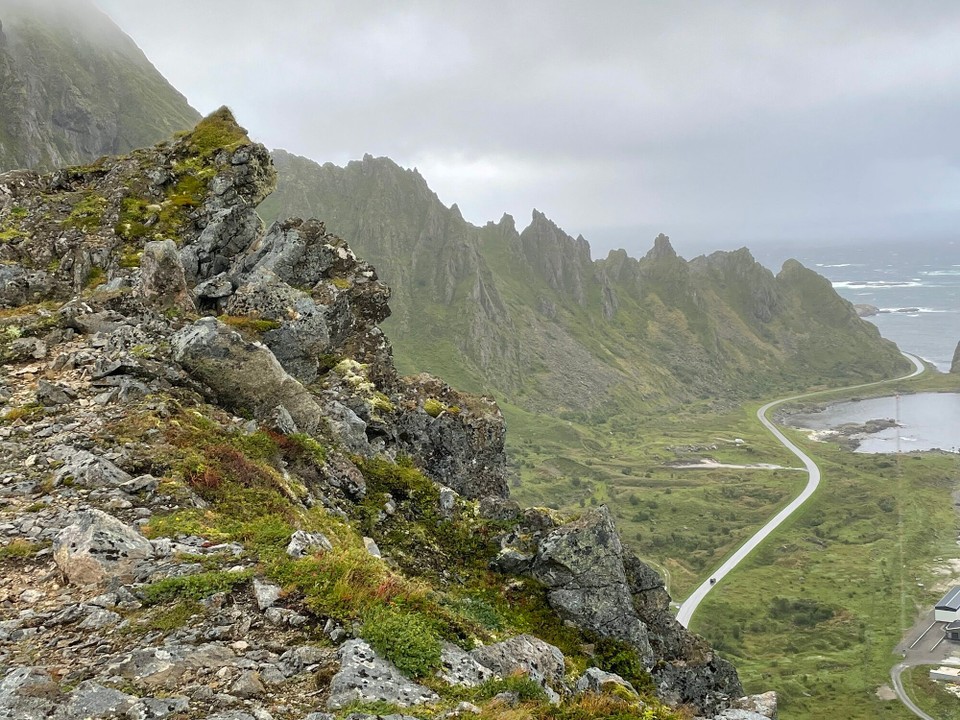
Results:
<point x="74" y="87"/>
<point x="205" y="440"/>
<point x="530" y="316"/>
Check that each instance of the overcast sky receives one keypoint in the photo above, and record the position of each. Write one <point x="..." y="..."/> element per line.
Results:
<point x="718" y="123"/>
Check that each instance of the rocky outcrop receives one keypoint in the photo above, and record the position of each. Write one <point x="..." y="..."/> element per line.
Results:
<point x="955" y="365"/>
<point x="595" y="584"/>
<point x="208" y="464"/>
<point x="365" y="677"/>
<point x="582" y="566"/>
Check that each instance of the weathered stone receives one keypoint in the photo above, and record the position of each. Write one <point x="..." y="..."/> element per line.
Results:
<point x="581" y="564"/>
<point x="97" y="546"/>
<point x="595" y="680"/>
<point x="540" y="660"/>
<point x="280" y="421"/>
<point x="955" y="365"/>
<point x="764" y="704"/>
<point x="27" y="693"/>
<point x="160" y="708"/>
<point x="371" y="545"/>
<point x="163" y="667"/>
<point x="162" y="281"/>
<point x="248" y="685"/>
<point x="365" y="677"/>
<point x="91" y="700"/>
<point x="51" y="395"/>
<point x="458" y="667"/>
<point x="243" y="375"/>
<point x="304" y="543"/>
<point x="266" y="593"/>
<point x="85" y="468"/>
<point x="494" y="507"/>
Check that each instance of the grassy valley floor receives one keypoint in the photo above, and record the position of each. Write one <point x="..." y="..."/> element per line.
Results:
<point x="816" y="612"/>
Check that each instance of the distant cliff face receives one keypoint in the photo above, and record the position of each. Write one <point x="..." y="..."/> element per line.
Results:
<point x="74" y="87"/>
<point x="529" y="315"/>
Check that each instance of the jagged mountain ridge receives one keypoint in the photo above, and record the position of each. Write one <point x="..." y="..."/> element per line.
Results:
<point x="74" y="87"/>
<point x="528" y="315"/>
<point x="143" y="303"/>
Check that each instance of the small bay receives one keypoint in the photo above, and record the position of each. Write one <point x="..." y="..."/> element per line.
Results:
<point x="928" y="421"/>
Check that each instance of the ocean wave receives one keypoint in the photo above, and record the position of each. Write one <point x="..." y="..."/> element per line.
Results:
<point x="941" y="273"/>
<point x="828" y="265"/>
<point x="912" y="310"/>
<point x="877" y="284"/>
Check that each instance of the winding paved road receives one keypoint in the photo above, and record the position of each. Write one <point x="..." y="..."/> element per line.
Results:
<point x="902" y="694"/>
<point x="689" y="606"/>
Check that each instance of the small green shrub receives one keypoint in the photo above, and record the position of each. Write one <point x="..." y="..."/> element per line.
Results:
<point x="86" y="214"/>
<point x="433" y="407"/>
<point x="193" y="587"/>
<point x="406" y="639"/>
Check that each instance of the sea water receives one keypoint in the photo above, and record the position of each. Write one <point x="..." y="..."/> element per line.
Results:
<point x="916" y="286"/>
<point x="928" y="421"/>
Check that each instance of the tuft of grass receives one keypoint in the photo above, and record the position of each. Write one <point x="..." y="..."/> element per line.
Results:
<point x="250" y="327"/>
<point x="19" y="549"/>
<point x="218" y="131"/>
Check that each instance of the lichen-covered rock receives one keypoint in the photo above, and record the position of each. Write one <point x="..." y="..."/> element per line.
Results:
<point x="458" y="667"/>
<point x="595" y="680"/>
<point x="243" y="375"/>
<point x="97" y="546"/>
<point x="581" y="564"/>
<point x="527" y="654"/>
<point x="303" y="543"/>
<point x="457" y="439"/>
<point x="162" y="280"/>
<point x="365" y="677"/>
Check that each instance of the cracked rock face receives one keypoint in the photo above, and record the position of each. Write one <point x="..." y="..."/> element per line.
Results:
<point x="592" y="582"/>
<point x="366" y="677"/>
<point x="582" y="565"/>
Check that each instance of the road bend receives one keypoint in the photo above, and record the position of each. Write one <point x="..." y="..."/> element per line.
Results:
<point x="902" y="694"/>
<point x="690" y="605"/>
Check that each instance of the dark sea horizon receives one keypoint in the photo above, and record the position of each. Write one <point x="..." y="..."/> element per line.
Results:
<point x="916" y="286"/>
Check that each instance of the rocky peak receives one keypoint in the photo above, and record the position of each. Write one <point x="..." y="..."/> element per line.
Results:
<point x="955" y="365"/>
<point x="563" y="262"/>
<point x="661" y="248"/>
<point x="73" y="86"/>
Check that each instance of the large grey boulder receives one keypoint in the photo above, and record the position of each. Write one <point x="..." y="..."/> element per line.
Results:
<point x="527" y="654"/>
<point x="27" y="693"/>
<point x="366" y="677"/>
<point x="243" y="375"/>
<point x="581" y="564"/>
<point x="458" y="667"/>
<point x="955" y="365"/>
<point x="162" y="280"/>
<point x="97" y="546"/>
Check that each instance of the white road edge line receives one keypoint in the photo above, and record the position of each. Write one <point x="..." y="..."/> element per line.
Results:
<point x="689" y="606"/>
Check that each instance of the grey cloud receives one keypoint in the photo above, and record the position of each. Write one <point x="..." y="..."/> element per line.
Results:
<point x="734" y="122"/>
